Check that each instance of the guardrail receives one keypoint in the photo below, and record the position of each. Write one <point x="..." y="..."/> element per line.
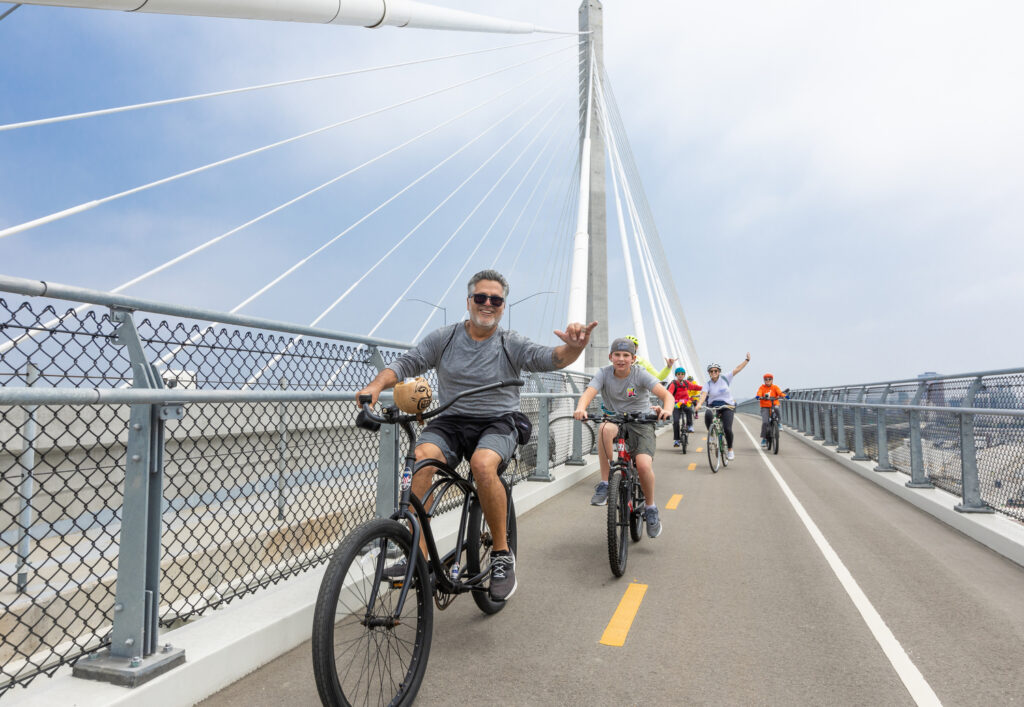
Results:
<point x="151" y="470"/>
<point x="961" y="433"/>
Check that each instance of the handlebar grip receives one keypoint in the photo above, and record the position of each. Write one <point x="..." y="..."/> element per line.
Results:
<point x="363" y="420"/>
<point x="364" y="399"/>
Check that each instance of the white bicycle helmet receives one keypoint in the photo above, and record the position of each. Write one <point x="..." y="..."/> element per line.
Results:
<point x="713" y="365"/>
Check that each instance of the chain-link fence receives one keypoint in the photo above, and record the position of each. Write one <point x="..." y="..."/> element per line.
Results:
<point x="252" y="486"/>
<point x="960" y="433"/>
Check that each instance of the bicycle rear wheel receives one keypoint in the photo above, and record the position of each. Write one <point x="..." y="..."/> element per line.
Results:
<point x="480" y="542"/>
<point x="618" y="521"/>
<point x="714" y="460"/>
<point x="775" y="436"/>
<point x="362" y="652"/>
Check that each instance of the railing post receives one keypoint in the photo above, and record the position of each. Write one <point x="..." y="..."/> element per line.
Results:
<point x="282" y="452"/>
<point x="883" y="437"/>
<point x="841" y="396"/>
<point x="829" y="441"/>
<point x="541" y="470"/>
<point x="969" y="483"/>
<point x="805" y="414"/>
<point x="389" y="455"/>
<point x="576" y="457"/>
<point x="27" y="462"/>
<point x="918" y="477"/>
<point x="818" y="415"/>
<point x="132" y="658"/>
<point x="858" y="428"/>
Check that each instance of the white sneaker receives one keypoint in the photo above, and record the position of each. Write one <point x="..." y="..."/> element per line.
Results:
<point x="731" y="456"/>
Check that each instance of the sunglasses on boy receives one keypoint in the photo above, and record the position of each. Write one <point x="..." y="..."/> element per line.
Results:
<point x="480" y="298"/>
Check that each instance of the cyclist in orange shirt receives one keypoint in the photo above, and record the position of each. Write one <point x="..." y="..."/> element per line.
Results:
<point x="766" y="391"/>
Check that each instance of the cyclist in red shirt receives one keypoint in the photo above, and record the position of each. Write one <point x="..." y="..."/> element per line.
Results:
<point x="680" y="390"/>
<point x="768" y="390"/>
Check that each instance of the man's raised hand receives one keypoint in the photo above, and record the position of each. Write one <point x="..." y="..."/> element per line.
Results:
<point x="576" y="335"/>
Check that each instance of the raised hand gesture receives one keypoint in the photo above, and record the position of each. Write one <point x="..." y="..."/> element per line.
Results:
<point x="576" y="335"/>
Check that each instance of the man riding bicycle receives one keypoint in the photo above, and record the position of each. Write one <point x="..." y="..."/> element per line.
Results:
<point x="468" y="354"/>
<point x="767" y="391"/>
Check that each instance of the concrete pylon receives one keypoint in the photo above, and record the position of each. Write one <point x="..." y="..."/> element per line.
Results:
<point x="597" y="265"/>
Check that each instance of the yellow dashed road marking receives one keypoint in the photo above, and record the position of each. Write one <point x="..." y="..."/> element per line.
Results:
<point x="700" y="449"/>
<point x="622" y="619"/>
<point x="673" y="502"/>
<point x="693" y="465"/>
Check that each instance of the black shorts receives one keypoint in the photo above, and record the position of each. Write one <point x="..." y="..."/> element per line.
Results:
<point x="458" y="437"/>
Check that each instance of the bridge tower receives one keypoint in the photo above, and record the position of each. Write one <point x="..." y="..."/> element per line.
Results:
<point x="592" y="44"/>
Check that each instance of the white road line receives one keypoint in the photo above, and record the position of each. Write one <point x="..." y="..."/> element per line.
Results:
<point x="915" y="683"/>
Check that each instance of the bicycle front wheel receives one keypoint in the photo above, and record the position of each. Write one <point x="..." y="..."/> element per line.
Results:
<point x="480" y="542"/>
<point x="722" y="450"/>
<point x="714" y="460"/>
<point x="365" y="651"/>
<point x="775" y="437"/>
<point x="618" y="521"/>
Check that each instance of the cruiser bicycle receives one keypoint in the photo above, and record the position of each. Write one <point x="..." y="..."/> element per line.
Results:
<point x="626" y="505"/>
<point x="717" y="448"/>
<point x="373" y="619"/>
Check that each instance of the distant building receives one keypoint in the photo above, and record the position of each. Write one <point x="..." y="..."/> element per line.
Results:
<point x="936" y="391"/>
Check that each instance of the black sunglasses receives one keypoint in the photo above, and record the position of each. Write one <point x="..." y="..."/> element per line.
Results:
<point x="496" y="300"/>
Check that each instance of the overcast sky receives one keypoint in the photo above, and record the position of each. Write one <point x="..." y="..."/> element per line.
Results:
<point x="838" y="187"/>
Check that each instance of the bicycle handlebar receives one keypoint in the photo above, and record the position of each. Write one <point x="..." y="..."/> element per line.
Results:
<point x="622" y="417"/>
<point x="369" y="420"/>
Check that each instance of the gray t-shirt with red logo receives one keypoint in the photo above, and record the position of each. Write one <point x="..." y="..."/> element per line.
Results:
<point x="622" y="395"/>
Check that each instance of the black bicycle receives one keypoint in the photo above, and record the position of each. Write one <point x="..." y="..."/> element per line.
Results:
<point x="774" y="425"/>
<point x="373" y="619"/>
<point x="626" y="505"/>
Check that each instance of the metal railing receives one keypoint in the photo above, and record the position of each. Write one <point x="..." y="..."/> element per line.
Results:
<point x="961" y="433"/>
<point x="151" y="470"/>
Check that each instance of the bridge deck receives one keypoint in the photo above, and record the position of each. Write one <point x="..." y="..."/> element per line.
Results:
<point x="741" y="605"/>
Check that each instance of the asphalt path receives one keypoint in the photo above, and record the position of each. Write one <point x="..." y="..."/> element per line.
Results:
<point x="742" y="603"/>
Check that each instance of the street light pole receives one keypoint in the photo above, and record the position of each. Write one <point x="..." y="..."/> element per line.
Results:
<point x="535" y="294"/>
<point x="444" y="312"/>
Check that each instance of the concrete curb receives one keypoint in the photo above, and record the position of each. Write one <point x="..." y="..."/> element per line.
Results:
<point x="229" y="643"/>
<point x="995" y="531"/>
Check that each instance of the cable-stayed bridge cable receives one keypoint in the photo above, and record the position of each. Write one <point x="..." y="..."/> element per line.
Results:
<point x="258" y="87"/>
<point x="56" y="216"/>
<point x="415" y="228"/>
<point x="494" y="221"/>
<point x="167" y="357"/>
<point x="200" y="248"/>
<point x="476" y="208"/>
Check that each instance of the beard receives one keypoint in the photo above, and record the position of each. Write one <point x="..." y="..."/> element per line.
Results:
<point x="477" y="321"/>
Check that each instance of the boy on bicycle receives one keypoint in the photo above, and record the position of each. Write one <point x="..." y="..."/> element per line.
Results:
<point x="766" y="391"/>
<point x="626" y="388"/>
<point x="468" y="354"/>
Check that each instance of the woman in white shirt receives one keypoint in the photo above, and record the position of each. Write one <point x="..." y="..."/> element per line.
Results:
<point x="717" y="393"/>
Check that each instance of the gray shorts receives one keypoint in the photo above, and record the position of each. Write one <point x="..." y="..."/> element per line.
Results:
<point x="640" y="438"/>
<point x="459" y="437"/>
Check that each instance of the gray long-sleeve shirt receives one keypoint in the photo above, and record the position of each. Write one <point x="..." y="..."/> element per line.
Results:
<point x="464" y="363"/>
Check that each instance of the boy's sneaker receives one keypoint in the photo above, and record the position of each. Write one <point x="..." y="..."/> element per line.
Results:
<point x="653" y="522"/>
<point x="730" y="455"/>
<point x="503" y="575"/>
<point x="675" y="443"/>
<point x="396" y="572"/>
<point x="600" y="494"/>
